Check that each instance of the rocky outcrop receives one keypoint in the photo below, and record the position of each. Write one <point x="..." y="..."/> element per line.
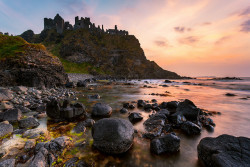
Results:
<point x="29" y="65"/>
<point x="224" y="151"/>
<point x="166" y="144"/>
<point x="66" y="111"/>
<point x="113" y="135"/>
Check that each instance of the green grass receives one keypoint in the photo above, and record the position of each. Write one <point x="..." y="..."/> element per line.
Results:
<point x="13" y="46"/>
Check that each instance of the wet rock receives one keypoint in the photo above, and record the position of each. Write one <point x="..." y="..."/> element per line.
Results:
<point x="82" y="163"/>
<point x="8" y="163"/>
<point x="26" y="123"/>
<point x="82" y="84"/>
<point x="154" y="100"/>
<point x="5" y="129"/>
<point x="5" y="95"/>
<point x="113" y="135"/>
<point x="71" y="163"/>
<point x="123" y="111"/>
<point x="126" y="105"/>
<point x="190" y="128"/>
<point x="96" y="96"/>
<point x="224" y="151"/>
<point x="141" y="103"/>
<point x="70" y="85"/>
<point x="164" y="112"/>
<point x="11" y="115"/>
<point x="135" y="117"/>
<point x="154" y="121"/>
<point x="80" y="127"/>
<point x="67" y="111"/>
<point x="187" y="109"/>
<point x="166" y="144"/>
<point x="167" y="128"/>
<point x="131" y="106"/>
<point x="209" y="128"/>
<point x="36" y="133"/>
<point x="167" y="81"/>
<point x="230" y="94"/>
<point x="58" y="144"/>
<point x="101" y="110"/>
<point x="147" y="107"/>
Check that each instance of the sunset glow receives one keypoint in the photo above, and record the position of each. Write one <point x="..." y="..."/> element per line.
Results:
<point x="191" y="38"/>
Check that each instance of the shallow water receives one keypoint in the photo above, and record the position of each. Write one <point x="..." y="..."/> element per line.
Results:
<point x="234" y="119"/>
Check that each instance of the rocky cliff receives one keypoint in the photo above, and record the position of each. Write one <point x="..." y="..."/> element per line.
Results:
<point x="101" y="53"/>
<point x="22" y="63"/>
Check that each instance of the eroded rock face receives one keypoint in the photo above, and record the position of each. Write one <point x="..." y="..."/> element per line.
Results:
<point x="113" y="135"/>
<point x="224" y="151"/>
<point x="101" y="110"/>
<point x="34" y="67"/>
<point x="166" y="144"/>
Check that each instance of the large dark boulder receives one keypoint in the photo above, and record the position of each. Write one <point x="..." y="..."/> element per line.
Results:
<point x="166" y="144"/>
<point x="66" y="111"/>
<point x="101" y="110"/>
<point x="113" y="135"/>
<point x="5" y="129"/>
<point x="188" y="109"/>
<point x="224" y="151"/>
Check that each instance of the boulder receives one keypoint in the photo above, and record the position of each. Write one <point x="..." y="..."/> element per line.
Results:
<point x="30" y="144"/>
<point x="190" y="128"/>
<point x="40" y="159"/>
<point x="166" y="144"/>
<point x="101" y="110"/>
<point x="141" y="103"/>
<point x="135" y="117"/>
<point x="66" y="111"/>
<point x="187" y="109"/>
<point x="124" y="110"/>
<point x="26" y="123"/>
<point x="113" y="135"/>
<point x="13" y="146"/>
<point x="8" y="163"/>
<point x="5" y="95"/>
<point x="224" y="151"/>
<point x="36" y="133"/>
<point x="11" y="115"/>
<point x="5" y="129"/>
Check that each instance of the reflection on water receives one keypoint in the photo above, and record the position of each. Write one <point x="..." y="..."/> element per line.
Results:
<point x="209" y="95"/>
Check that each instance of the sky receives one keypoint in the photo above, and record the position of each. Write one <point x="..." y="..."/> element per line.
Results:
<point x="190" y="37"/>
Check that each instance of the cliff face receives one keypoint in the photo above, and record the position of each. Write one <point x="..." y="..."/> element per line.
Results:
<point x="115" y="55"/>
<point x="22" y="63"/>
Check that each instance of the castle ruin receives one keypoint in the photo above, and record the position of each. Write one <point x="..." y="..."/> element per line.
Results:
<point x="85" y="23"/>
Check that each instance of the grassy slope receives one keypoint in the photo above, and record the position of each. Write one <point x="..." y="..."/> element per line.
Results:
<point x="13" y="46"/>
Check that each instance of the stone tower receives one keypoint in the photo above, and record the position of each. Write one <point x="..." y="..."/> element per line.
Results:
<point x="59" y="23"/>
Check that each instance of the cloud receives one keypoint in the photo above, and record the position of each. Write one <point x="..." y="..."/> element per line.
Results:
<point x="245" y="26"/>
<point x="190" y="40"/>
<point x="161" y="43"/>
<point x="181" y="29"/>
<point x="222" y="40"/>
<point x="245" y="12"/>
<point x="206" y="23"/>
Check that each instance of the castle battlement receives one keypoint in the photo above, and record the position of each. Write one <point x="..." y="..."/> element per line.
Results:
<point x="85" y="23"/>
